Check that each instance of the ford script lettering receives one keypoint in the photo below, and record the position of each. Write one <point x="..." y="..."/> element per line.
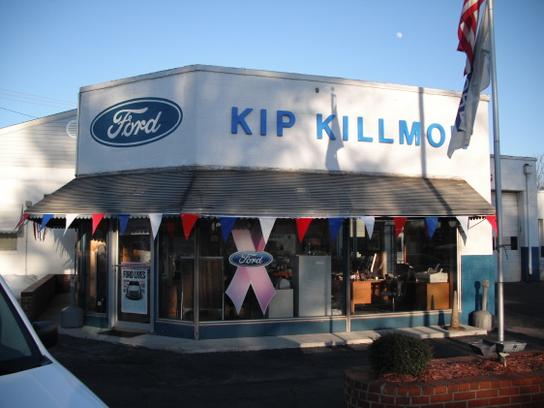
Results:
<point x="136" y="122"/>
<point x="250" y="258"/>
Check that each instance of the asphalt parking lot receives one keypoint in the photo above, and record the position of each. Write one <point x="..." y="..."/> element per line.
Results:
<point x="126" y="376"/>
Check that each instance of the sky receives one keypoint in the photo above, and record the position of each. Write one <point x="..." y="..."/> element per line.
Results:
<point x="49" y="49"/>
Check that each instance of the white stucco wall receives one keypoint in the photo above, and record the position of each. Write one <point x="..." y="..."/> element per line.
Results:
<point x="37" y="157"/>
<point x="362" y="110"/>
<point x="514" y="180"/>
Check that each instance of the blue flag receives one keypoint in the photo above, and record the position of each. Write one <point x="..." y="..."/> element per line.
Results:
<point x="334" y="226"/>
<point x="123" y="222"/>
<point x="226" y="226"/>
<point x="45" y="220"/>
<point x="432" y="225"/>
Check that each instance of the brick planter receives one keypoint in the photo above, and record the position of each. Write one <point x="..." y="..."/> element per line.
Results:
<point x="506" y="390"/>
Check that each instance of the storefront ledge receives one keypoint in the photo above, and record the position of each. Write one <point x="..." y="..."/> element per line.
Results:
<point x="96" y="320"/>
<point x="190" y="346"/>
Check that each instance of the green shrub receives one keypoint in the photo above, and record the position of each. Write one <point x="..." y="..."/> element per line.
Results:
<point x="399" y="354"/>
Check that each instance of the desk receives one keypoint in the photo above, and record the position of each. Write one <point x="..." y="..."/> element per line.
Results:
<point x="361" y="294"/>
<point x="365" y="292"/>
<point x="432" y="296"/>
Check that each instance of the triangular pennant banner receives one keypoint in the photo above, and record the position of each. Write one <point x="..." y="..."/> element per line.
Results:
<point x="492" y="219"/>
<point x="69" y="220"/>
<point x="123" y="222"/>
<point x="22" y="220"/>
<point x="96" y="221"/>
<point x="155" y="221"/>
<point x="432" y="225"/>
<point x="267" y="223"/>
<point x="334" y="226"/>
<point x="226" y="226"/>
<point x="188" y="222"/>
<point x="302" y="227"/>
<point x="45" y="220"/>
<point x="399" y="225"/>
<point x="369" y="222"/>
<point x="463" y="222"/>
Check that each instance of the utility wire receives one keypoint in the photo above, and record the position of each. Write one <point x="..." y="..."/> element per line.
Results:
<point x="20" y="113"/>
<point x="29" y="96"/>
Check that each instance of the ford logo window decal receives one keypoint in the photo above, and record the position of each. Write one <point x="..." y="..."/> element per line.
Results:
<point x="250" y="259"/>
<point x="136" y="122"/>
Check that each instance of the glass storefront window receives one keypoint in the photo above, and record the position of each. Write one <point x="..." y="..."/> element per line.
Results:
<point x="404" y="273"/>
<point x="134" y="272"/>
<point x="176" y="272"/>
<point x="96" y="282"/>
<point x="211" y="277"/>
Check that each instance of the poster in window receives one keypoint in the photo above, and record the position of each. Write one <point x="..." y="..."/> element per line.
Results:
<point x="134" y="287"/>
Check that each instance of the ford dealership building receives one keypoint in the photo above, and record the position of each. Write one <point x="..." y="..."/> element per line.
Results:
<point x="218" y="202"/>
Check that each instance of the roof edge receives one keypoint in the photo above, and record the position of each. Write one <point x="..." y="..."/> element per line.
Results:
<point x="39" y="121"/>
<point x="271" y="74"/>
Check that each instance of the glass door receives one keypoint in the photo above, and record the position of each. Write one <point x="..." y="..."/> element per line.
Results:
<point x="134" y="273"/>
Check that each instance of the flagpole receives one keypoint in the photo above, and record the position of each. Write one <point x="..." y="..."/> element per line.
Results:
<point x="498" y="183"/>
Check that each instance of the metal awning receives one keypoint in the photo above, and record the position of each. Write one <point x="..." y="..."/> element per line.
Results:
<point x="258" y="193"/>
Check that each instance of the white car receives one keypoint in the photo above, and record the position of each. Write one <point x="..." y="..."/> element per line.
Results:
<point x="29" y="375"/>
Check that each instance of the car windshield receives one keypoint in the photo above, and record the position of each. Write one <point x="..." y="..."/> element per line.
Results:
<point x="18" y="351"/>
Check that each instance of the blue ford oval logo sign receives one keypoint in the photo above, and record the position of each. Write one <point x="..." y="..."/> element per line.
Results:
<point x="251" y="258"/>
<point x="136" y="122"/>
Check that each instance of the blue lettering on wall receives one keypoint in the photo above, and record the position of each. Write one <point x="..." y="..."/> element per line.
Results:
<point x="281" y="123"/>
<point x="360" y="136"/>
<point x="345" y="128"/>
<point x="239" y="120"/>
<point x="441" y="132"/>
<point x="324" y="126"/>
<point x="263" y="122"/>
<point x="381" y="133"/>
<point x="409" y="136"/>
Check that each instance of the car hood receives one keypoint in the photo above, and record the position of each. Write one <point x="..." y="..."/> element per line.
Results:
<point x="47" y="386"/>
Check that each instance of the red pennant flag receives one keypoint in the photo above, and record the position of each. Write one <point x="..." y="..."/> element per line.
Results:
<point x="302" y="227"/>
<point x="24" y="217"/>
<point x="188" y="222"/>
<point x="96" y="220"/>
<point x="493" y="221"/>
<point x="399" y="225"/>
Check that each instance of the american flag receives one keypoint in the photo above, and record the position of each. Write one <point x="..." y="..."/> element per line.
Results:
<point x="467" y="30"/>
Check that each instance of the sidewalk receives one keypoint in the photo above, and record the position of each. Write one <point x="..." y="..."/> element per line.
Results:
<point x="190" y="346"/>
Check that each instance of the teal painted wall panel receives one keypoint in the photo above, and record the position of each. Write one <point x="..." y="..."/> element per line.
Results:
<point x="270" y="328"/>
<point x="96" y="321"/>
<point x="174" y="330"/>
<point x="427" y="319"/>
<point x="475" y="269"/>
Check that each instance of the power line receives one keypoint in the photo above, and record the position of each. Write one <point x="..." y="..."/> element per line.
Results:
<point x="26" y="95"/>
<point x="20" y="113"/>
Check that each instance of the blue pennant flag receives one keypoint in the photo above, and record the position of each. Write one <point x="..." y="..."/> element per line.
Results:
<point x="45" y="220"/>
<point x="334" y="226"/>
<point x="432" y="225"/>
<point x="123" y="222"/>
<point x="226" y="226"/>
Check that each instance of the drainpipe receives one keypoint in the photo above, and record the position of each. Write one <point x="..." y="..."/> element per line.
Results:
<point x="528" y="170"/>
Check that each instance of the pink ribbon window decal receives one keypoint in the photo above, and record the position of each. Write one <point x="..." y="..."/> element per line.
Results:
<point x="255" y="276"/>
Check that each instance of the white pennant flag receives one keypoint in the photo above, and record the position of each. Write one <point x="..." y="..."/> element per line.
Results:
<point x="155" y="220"/>
<point x="69" y="220"/>
<point x="369" y="224"/>
<point x="267" y="223"/>
<point x="463" y="220"/>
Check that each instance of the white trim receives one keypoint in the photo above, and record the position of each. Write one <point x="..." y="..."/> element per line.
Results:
<point x="270" y="74"/>
<point x="39" y="121"/>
